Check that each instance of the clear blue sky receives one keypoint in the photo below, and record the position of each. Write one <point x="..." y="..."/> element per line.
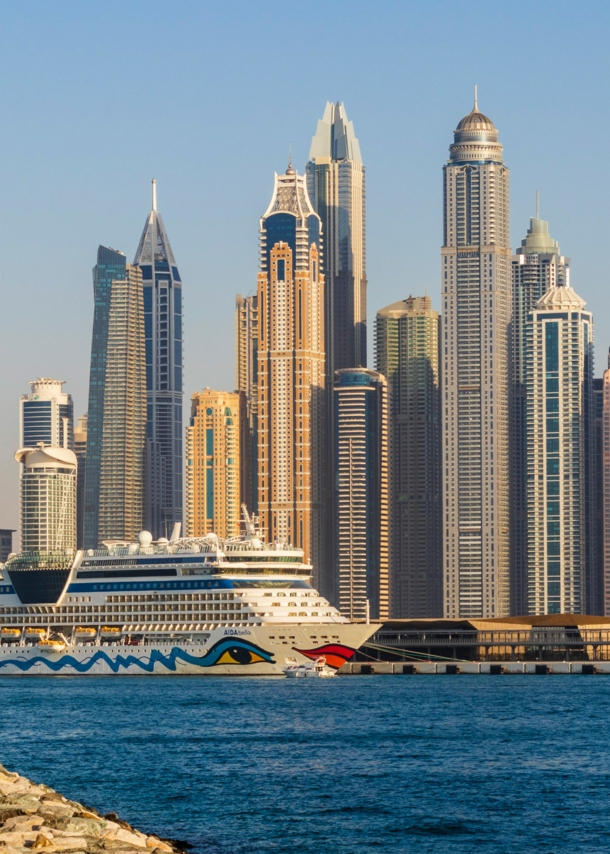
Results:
<point x="97" y="98"/>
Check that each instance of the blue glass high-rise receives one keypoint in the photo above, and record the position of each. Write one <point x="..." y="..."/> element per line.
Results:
<point x="164" y="389"/>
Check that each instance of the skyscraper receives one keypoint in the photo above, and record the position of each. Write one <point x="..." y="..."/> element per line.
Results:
<point x="536" y="267"/>
<point x="597" y="524"/>
<point x="559" y="410"/>
<point x="6" y="543"/>
<point x="291" y="371"/>
<point x="163" y="325"/>
<point x="48" y="498"/>
<point x="80" y="449"/>
<point x="46" y="415"/>
<point x="246" y="366"/>
<point x="406" y="352"/>
<point x="361" y="477"/>
<point x="336" y="185"/>
<point x="213" y="453"/>
<point x="117" y="403"/>
<point x="476" y="259"/>
<point x="605" y="465"/>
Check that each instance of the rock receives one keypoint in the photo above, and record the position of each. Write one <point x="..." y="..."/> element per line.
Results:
<point x="153" y="842"/>
<point x="41" y="841"/>
<point x="36" y="818"/>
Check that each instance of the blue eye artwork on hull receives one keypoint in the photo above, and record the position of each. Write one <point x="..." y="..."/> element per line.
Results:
<point x="224" y="651"/>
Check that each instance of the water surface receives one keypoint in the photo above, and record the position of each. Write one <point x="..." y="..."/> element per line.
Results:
<point x="352" y="765"/>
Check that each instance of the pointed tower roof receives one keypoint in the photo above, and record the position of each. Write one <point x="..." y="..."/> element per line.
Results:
<point x="335" y="136"/>
<point x="154" y="244"/>
<point x="561" y="298"/>
<point x="290" y="196"/>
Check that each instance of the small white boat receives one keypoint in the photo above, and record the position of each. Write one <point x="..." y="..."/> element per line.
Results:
<point x="318" y="669"/>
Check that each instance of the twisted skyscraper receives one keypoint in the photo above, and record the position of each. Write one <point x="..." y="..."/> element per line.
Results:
<point x="476" y="277"/>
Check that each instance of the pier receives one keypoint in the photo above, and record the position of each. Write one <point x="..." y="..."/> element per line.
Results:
<point x="488" y="668"/>
<point x="551" y="643"/>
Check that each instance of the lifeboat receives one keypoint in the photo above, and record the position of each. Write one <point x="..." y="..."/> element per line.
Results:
<point x="109" y="632"/>
<point x="35" y="633"/>
<point x="7" y="634"/>
<point x="51" y="645"/>
<point x="85" y="632"/>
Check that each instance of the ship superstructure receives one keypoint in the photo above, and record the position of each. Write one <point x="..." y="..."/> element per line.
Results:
<point x="167" y="606"/>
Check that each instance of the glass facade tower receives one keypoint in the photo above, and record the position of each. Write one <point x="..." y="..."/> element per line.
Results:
<point x="361" y="496"/>
<point x="114" y="473"/>
<point x="560" y="472"/>
<point x="536" y="266"/>
<point x="164" y="387"/>
<point x="46" y="415"/>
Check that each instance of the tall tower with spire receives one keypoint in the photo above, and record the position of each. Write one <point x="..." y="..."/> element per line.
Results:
<point x="336" y="185"/>
<point x="290" y="376"/>
<point x="476" y="288"/>
<point x="536" y="266"/>
<point x="162" y="288"/>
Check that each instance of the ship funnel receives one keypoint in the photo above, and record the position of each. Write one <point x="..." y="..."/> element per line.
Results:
<point x="175" y="532"/>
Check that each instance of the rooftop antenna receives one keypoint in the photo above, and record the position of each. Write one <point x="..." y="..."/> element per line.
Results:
<point x="476" y="99"/>
<point x="537" y="204"/>
<point x="154" y="193"/>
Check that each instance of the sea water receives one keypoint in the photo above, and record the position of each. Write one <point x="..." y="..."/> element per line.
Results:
<point x="351" y="765"/>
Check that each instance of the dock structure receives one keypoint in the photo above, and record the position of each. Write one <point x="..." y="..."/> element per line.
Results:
<point x="551" y="639"/>
<point x="473" y="668"/>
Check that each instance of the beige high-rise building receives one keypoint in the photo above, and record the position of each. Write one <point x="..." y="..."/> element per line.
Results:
<point x="406" y="352"/>
<point x="213" y="457"/>
<point x="291" y="371"/>
<point x="246" y="365"/>
<point x="476" y="291"/>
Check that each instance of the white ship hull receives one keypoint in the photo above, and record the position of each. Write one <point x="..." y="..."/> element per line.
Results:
<point x="263" y="650"/>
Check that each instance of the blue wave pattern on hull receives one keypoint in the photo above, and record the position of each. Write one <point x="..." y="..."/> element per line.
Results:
<point x="224" y="651"/>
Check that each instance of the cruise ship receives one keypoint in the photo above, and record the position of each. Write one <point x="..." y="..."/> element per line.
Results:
<point x="202" y="605"/>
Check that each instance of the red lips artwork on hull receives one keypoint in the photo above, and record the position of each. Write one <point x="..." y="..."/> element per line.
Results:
<point x="335" y="653"/>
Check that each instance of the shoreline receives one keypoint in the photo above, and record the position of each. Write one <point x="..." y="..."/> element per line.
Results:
<point x="34" y="817"/>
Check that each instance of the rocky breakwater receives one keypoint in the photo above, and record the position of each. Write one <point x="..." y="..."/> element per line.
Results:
<point x="34" y="817"/>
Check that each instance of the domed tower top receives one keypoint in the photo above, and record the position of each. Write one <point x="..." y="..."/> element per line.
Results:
<point x="475" y="138"/>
